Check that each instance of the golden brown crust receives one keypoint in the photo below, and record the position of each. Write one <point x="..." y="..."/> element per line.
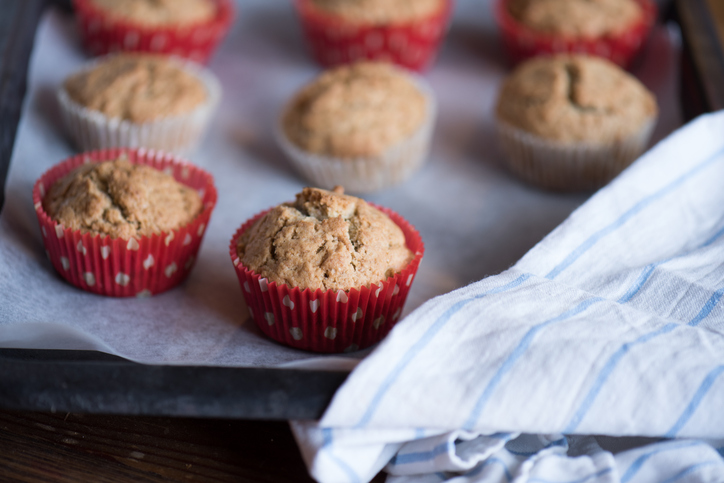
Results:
<point x="575" y="99"/>
<point x="380" y="12"/>
<point x="121" y="199"/>
<point x="358" y="110"/>
<point x="158" y="13"/>
<point x="137" y="87"/>
<point x="324" y="240"/>
<point x="576" y="18"/>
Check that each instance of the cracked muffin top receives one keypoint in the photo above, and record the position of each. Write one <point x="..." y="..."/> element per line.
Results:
<point x="380" y="12"/>
<point x="158" y="13"/>
<point x="121" y="199"/>
<point x="137" y="87"/>
<point x="575" y="98"/>
<point x="324" y="240"/>
<point x="356" y="110"/>
<point x="576" y="18"/>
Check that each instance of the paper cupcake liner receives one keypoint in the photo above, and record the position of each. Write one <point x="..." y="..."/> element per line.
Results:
<point x="569" y="167"/>
<point x="521" y="42"/>
<point x="334" y="41"/>
<point x="92" y="130"/>
<point x="366" y="174"/>
<point x="328" y="321"/>
<point x="138" y="267"/>
<point x="102" y="34"/>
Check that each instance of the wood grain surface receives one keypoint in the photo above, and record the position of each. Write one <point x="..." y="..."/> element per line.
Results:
<point x="44" y="447"/>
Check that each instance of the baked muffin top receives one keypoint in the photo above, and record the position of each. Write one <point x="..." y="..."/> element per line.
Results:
<point x="137" y="87"/>
<point x="158" y="13"/>
<point x="356" y="110"/>
<point x="380" y="11"/>
<point x="324" y="240"/>
<point x="121" y="199"/>
<point x="576" y="18"/>
<point x="575" y="98"/>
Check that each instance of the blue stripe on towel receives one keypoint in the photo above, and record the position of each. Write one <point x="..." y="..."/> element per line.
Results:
<point x="423" y="341"/>
<point x="649" y="269"/>
<point x="639" y="462"/>
<point x="640" y="281"/>
<point x="327" y="445"/>
<point x="708" y="307"/>
<point x="695" y="401"/>
<point x="690" y="470"/>
<point x="635" y="209"/>
<point x="517" y="354"/>
<point x="623" y="350"/>
<point x="407" y="458"/>
<point x="606" y="373"/>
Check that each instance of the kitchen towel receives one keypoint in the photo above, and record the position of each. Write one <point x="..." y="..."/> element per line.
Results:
<point x="611" y="325"/>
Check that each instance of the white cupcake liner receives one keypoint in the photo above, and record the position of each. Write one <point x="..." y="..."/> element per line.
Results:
<point x="569" y="167"/>
<point x="366" y="174"/>
<point x="92" y="130"/>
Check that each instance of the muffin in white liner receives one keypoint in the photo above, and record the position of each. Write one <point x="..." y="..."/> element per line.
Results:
<point x="569" y="167"/>
<point x="92" y="130"/>
<point x="362" y="174"/>
<point x="573" y="122"/>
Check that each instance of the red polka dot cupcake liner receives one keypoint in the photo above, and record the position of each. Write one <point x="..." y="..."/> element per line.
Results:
<point x="521" y="42"/>
<point x="137" y="267"/>
<point x="334" y="41"/>
<point x="102" y="34"/>
<point x="328" y="321"/>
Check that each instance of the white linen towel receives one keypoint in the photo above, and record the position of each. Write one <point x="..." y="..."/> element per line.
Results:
<point x="609" y="326"/>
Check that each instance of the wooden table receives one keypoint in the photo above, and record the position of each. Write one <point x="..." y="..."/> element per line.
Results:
<point x="44" y="447"/>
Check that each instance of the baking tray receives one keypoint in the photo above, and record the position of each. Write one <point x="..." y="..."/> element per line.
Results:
<point x="95" y="382"/>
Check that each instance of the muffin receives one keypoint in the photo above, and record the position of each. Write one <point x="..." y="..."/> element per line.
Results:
<point x="124" y="222"/>
<point x="139" y="100"/>
<point x="120" y="199"/>
<point x="365" y="126"/>
<point x="573" y="122"/>
<point x="327" y="272"/>
<point x="406" y="32"/>
<point x="613" y="29"/>
<point x="185" y="28"/>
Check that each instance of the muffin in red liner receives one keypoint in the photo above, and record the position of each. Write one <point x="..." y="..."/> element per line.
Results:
<point x="117" y="267"/>
<point x="328" y="321"/>
<point x="521" y="42"/>
<point x="103" y="34"/>
<point x="334" y="40"/>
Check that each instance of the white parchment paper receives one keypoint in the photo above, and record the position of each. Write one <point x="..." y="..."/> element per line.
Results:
<point x="474" y="217"/>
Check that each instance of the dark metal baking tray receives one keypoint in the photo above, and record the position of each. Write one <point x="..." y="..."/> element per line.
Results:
<point x="94" y="382"/>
